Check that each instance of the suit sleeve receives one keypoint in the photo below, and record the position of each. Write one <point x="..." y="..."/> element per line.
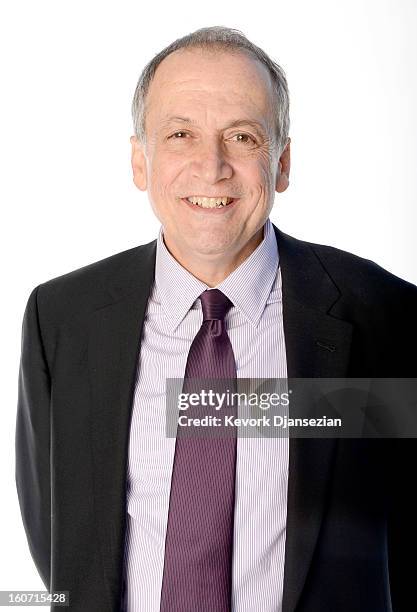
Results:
<point x="402" y="528"/>
<point x="402" y="525"/>
<point x="32" y="440"/>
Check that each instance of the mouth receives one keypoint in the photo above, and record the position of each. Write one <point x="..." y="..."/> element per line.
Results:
<point x="207" y="204"/>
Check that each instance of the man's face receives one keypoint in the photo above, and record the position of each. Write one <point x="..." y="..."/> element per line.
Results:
<point x="192" y="149"/>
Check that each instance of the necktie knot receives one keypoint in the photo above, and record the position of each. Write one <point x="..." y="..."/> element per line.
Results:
<point x="215" y="305"/>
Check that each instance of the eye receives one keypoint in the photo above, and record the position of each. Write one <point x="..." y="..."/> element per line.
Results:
<point x="175" y="134"/>
<point x="246" y="138"/>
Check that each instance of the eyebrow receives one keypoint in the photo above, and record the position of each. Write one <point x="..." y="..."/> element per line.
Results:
<point x="258" y="127"/>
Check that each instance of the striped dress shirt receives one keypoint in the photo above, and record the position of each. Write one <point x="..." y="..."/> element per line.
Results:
<point x="255" y="328"/>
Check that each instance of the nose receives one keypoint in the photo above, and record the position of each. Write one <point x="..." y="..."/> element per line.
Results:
<point x="210" y="162"/>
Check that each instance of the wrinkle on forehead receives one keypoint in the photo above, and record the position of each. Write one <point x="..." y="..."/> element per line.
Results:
<point x="183" y="68"/>
<point x="186" y="80"/>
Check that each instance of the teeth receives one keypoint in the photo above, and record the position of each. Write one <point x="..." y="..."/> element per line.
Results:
<point x="209" y="202"/>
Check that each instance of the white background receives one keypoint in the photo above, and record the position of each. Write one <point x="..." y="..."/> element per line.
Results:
<point x="69" y="70"/>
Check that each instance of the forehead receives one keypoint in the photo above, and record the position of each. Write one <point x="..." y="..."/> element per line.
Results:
<point x="199" y="81"/>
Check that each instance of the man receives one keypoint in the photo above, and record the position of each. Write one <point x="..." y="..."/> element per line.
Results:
<point x="122" y="516"/>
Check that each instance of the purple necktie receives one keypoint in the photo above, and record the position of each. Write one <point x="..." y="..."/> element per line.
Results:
<point x="198" y="549"/>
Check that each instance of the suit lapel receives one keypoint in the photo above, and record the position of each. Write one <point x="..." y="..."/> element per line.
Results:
<point x="317" y="345"/>
<point x="114" y="343"/>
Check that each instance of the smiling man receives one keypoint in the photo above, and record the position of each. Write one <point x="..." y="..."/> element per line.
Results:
<point x="125" y="517"/>
<point x="214" y="156"/>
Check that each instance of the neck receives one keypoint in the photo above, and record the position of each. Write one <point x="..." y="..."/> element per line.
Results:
<point x="213" y="270"/>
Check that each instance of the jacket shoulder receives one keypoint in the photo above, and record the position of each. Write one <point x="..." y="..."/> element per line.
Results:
<point x="86" y="288"/>
<point x="359" y="276"/>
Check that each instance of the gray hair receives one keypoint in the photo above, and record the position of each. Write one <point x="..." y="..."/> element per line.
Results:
<point x="216" y="38"/>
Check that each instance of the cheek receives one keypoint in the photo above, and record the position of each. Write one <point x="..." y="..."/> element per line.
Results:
<point x="163" y="177"/>
<point x="258" y="178"/>
<point x="266" y="177"/>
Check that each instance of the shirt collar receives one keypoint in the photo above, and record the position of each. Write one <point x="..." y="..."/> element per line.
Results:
<point x="248" y="287"/>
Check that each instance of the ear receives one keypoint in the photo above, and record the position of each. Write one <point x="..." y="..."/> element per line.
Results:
<point x="138" y="164"/>
<point x="283" y="175"/>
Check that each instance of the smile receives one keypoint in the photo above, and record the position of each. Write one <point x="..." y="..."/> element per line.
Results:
<point x="205" y="202"/>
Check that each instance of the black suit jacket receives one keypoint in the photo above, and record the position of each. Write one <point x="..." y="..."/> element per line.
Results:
<point x="351" y="527"/>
